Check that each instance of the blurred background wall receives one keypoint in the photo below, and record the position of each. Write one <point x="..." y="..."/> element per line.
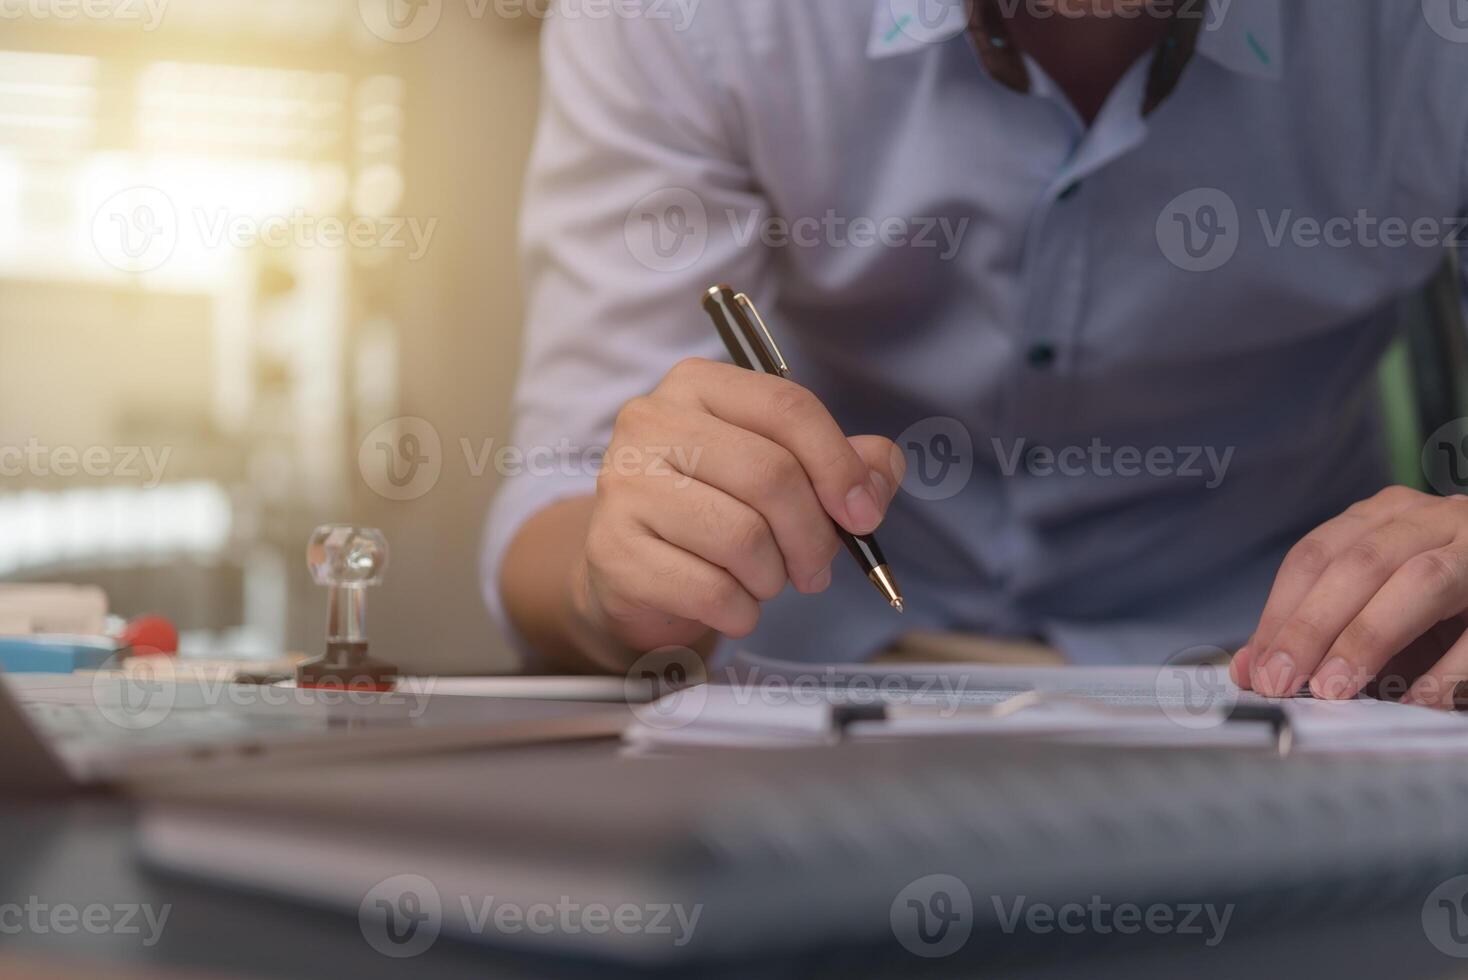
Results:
<point x="257" y="273"/>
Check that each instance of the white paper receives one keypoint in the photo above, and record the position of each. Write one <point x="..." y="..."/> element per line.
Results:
<point x="764" y="702"/>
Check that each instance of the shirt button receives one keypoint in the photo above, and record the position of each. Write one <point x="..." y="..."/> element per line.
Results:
<point x="1070" y="191"/>
<point x="1042" y="355"/>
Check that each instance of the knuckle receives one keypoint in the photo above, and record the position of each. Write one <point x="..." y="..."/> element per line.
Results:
<point x="603" y="544"/>
<point x="1299" y="635"/>
<point x="1269" y="627"/>
<point x="790" y="400"/>
<point x="777" y="473"/>
<point x="637" y="414"/>
<point x="1365" y="558"/>
<point x="720" y="595"/>
<point x="612" y="603"/>
<point x="1362" y="636"/>
<point x="813" y="553"/>
<point x="691" y="367"/>
<point x="1396" y="495"/>
<point x="769" y="586"/>
<point x="687" y="373"/>
<point x="607" y="481"/>
<point x="748" y="533"/>
<point x="612" y="481"/>
<point x="1310" y="556"/>
<point x="804" y="554"/>
<point x="1437" y="572"/>
<point x="708" y="517"/>
<point x="666" y="578"/>
<point x="740" y="614"/>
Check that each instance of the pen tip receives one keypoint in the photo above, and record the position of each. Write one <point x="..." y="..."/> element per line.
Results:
<point x="881" y="577"/>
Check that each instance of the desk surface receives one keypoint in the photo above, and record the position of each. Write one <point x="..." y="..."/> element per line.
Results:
<point x="80" y="852"/>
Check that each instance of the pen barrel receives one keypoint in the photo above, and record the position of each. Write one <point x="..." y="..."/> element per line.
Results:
<point x="738" y="332"/>
<point x="863" y="548"/>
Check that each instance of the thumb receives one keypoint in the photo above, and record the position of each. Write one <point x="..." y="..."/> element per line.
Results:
<point x="887" y="465"/>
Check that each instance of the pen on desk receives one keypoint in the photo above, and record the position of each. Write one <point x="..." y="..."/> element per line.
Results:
<point x="752" y="346"/>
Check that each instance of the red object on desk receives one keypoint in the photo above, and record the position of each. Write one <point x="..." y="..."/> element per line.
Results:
<point x="150" y="636"/>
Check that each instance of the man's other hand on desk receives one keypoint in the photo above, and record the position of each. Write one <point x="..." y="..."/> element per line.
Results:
<point x="741" y="477"/>
<point x="1378" y="593"/>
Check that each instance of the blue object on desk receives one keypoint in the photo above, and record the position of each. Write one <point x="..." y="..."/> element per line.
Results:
<point x="54" y="654"/>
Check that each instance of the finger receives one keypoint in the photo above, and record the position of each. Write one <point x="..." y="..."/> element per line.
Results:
<point x="1438" y="686"/>
<point x="1394" y="680"/>
<point x="1337" y="598"/>
<point x="657" y="579"/>
<point x="887" y="463"/>
<point x="716" y="527"/>
<point x="612" y="551"/>
<point x="1242" y="663"/>
<point x="766" y="477"/>
<point x="1307" y="561"/>
<point x="791" y="416"/>
<point x="1426" y="590"/>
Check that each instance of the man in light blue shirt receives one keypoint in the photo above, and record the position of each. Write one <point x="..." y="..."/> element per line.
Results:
<point x="1110" y="278"/>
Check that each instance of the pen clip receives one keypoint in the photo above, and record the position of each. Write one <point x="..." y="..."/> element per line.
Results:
<point x="748" y="304"/>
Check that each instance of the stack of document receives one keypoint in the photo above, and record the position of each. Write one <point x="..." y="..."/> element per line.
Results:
<point x="761" y="702"/>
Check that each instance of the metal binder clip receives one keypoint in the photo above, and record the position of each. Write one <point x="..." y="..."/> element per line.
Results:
<point x="1276" y="717"/>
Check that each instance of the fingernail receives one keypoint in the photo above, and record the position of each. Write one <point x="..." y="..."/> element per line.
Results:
<point x="1336" y="681"/>
<point x="822" y="581"/>
<point x="862" y="510"/>
<point x="1275" y="676"/>
<point x="1422" y="693"/>
<point x="899" y="464"/>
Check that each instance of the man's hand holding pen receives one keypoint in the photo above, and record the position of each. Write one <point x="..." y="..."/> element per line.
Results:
<point x="698" y="542"/>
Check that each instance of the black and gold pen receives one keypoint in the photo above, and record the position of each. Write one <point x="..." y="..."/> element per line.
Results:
<point x="752" y="346"/>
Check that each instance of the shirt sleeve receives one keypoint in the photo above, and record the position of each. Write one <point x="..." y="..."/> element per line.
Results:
<point x="636" y="194"/>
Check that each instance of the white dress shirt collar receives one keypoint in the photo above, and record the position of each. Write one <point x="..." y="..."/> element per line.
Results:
<point x="1244" y="36"/>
